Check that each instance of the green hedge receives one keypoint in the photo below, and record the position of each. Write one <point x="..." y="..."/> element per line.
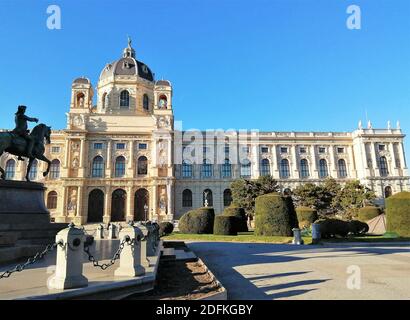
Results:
<point x="306" y="216"/>
<point x="368" y="213"/>
<point x="357" y="227"/>
<point x="165" y="228"/>
<point x="225" y="225"/>
<point x="330" y="228"/>
<point x="197" y="221"/>
<point x="398" y="214"/>
<point x="240" y="218"/>
<point x="274" y="215"/>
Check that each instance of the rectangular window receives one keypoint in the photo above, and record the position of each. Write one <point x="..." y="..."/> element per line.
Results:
<point x="226" y="149"/>
<point x="55" y="149"/>
<point x="245" y="149"/>
<point x="98" y="146"/>
<point x="322" y="150"/>
<point x="264" y="149"/>
<point x="382" y="147"/>
<point x="283" y="150"/>
<point x="142" y="146"/>
<point x="120" y="146"/>
<point x="205" y="149"/>
<point x="340" y="150"/>
<point x="302" y="150"/>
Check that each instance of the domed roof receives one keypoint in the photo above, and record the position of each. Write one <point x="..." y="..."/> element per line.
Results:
<point x="163" y="83"/>
<point x="82" y="80"/>
<point x="127" y="66"/>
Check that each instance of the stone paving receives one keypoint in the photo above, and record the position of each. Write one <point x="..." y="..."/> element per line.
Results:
<point x="270" y="271"/>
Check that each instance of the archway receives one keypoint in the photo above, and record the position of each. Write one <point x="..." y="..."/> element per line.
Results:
<point x="388" y="192"/>
<point x="119" y="198"/>
<point x="95" y="206"/>
<point x="141" y="199"/>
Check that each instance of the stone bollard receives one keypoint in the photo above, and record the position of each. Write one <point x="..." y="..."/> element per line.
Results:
<point x="297" y="237"/>
<point x="100" y="232"/>
<point x="130" y="258"/>
<point x="150" y="237"/>
<point x="112" y="231"/>
<point x="144" y="245"/>
<point x="316" y="236"/>
<point x="69" y="265"/>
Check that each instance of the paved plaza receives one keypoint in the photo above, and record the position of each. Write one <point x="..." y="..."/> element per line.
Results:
<point x="271" y="271"/>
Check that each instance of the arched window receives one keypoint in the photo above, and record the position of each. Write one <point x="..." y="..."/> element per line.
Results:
<point x="32" y="175"/>
<point x="207" y="195"/>
<point x="323" y="171"/>
<point x="145" y="102"/>
<point x="142" y="165"/>
<point x="227" y="197"/>
<point x="186" y="169"/>
<point x="341" y="168"/>
<point x="98" y="167"/>
<point x="388" y="192"/>
<point x="124" y="99"/>
<point x="52" y="200"/>
<point x="105" y="100"/>
<point x="227" y="169"/>
<point x="265" y="167"/>
<point x="246" y="169"/>
<point x="206" y="169"/>
<point x="120" y="167"/>
<point x="163" y="102"/>
<point x="284" y="170"/>
<point x="55" y="169"/>
<point x="80" y="100"/>
<point x="10" y="169"/>
<point x="304" y="169"/>
<point x="187" y="198"/>
<point x="384" y="169"/>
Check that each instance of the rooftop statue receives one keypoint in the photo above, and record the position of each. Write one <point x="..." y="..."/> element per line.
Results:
<point x="23" y="143"/>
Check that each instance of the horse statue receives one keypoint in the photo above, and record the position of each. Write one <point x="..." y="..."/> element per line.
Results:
<point x="17" y="145"/>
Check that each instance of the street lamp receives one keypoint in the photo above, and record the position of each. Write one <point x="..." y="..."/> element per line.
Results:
<point x="145" y="211"/>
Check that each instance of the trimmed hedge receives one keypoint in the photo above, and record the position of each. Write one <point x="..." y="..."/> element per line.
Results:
<point x="306" y="216"/>
<point x="368" y="213"/>
<point x="398" y="214"/>
<point x="225" y="225"/>
<point x="197" y="221"/>
<point x="330" y="228"/>
<point x="274" y="215"/>
<point x="165" y="228"/>
<point x="357" y="227"/>
<point x="240" y="218"/>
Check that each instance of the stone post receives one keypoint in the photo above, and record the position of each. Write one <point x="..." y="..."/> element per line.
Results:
<point x="69" y="266"/>
<point x="112" y="231"/>
<point x="130" y="259"/>
<point x="315" y="233"/>
<point x="145" y="244"/>
<point x="100" y="232"/>
<point x="297" y="237"/>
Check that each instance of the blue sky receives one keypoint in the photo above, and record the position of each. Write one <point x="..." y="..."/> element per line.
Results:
<point x="269" y="64"/>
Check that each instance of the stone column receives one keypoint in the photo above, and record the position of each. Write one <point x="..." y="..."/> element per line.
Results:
<point x="394" y="169"/>
<point x="170" y="210"/>
<point x="82" y="158"/>
<point x="66" y="153"/>
<point x="154" y="202"/>
<point x="313" y="169"/>
<point x="352" y="167"/>
<point x="108" y="159"/>
<point x="333" y="168"/>
<point x="130" y="204"/>
<point x="275" y="163"/>
<point x="374" y="160"/>
<point x="169" y="153"/>
<point x="294" y="164"/>
<point x="131" y="160"/>
<point x="107" y="205"/>
<point x="79" y="215"/>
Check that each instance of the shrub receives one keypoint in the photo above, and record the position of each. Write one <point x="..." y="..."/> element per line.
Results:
<point x="274" y="215"/>
<point x="368" y="213"/>
<point x="398" y="214"/>
<point x="240" y="218"/>
<point x="198" y="221"/>
<point x="165" y="228"/>
<point x="358" y="227"/>
<point x="225" y="225"/>
<point x="306" y="216"/>
<point x="330" y="228"/>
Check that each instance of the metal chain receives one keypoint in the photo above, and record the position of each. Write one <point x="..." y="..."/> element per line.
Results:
<point x="39" y="255"/>
<point x="116" y="256"/>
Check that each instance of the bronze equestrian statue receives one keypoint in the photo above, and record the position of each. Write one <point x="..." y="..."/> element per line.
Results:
<point x="22" y="143"/>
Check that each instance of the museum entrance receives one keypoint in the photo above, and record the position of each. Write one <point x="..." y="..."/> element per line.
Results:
<point x="118" y="204"/>
<point x="141" y="207"/>
<point x="95" y="206"/>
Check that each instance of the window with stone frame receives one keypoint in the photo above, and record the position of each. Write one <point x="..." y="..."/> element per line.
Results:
<point x="284" y="169"/>
<point x="187" y="198"/>
<point x="323" y="169"/>
<point x="304" y="169"/>
<point x="227" y="169"/>
<point x="265" y="167"/>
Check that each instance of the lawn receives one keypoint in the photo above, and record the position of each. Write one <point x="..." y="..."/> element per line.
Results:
<point x="241" y="237"/>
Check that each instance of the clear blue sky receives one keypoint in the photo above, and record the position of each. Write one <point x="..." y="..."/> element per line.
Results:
<point x="266" y="64"/>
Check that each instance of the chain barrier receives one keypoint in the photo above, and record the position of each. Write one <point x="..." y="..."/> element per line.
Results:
<point x="116" y="256"/>
<point x="38" y="256"/>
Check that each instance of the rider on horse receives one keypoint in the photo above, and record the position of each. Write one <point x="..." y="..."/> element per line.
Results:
<point x="22" y="129"/>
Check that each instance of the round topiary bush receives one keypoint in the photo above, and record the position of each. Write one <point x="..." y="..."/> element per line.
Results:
<point x="368" y="213"/>
<point x="165" y="228"/>
<point x="197" y="221"/>
<point x="274" y="215"/>
<point x="398" y="214"/>
<point x="240" y="217"/>
<point x="330" y="228"/>
<point x="357" y="227"/>
<point x="225" y="225"/>
<point x="306" y="216"/>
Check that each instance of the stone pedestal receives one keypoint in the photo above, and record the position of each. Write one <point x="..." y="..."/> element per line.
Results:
<point x="25" y="219"/>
